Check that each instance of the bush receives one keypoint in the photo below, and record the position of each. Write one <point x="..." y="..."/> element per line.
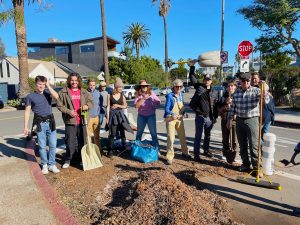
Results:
<point x="14" y="102"/>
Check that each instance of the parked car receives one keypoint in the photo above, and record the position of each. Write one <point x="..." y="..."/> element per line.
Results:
<point x="129" y="91"/>
<point x="156" y="90"/>
<point x="165" y="90"/>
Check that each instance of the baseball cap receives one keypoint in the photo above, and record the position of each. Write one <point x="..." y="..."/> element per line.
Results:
<point x="208" y="76"/>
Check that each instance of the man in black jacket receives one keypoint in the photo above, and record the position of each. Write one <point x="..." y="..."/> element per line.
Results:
<point x="205" y="117"/>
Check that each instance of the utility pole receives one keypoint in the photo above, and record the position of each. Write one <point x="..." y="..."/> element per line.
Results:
<point x="222" y="39"/>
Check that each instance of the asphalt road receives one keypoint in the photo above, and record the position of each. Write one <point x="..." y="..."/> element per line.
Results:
<point x="11" y="124"/>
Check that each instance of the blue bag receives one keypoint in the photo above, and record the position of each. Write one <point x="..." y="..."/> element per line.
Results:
<point x="144" y="152"/>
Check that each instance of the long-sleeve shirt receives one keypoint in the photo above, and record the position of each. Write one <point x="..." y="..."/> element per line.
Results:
<point x="170" y="102"/>
<point x="245" y="104"/>
<point x="148" y="107"/>
<point x="95" y="111"/>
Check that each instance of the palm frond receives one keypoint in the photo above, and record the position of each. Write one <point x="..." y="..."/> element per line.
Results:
<point x="6" y="16"/>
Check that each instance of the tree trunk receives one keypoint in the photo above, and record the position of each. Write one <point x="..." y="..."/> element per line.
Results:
<point x="137" y="49"/>
<point x="166" y="48"/>
<point x="105" y="48"/>
<point x="21" y="40"/>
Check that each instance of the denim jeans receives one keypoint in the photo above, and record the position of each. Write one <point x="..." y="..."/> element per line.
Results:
<point x="101" y="118"/>
<point x="44" y="136"/>
<point x="265" y="129"/>
<point x="201" y="123"/>
<point x="141" y="124"/>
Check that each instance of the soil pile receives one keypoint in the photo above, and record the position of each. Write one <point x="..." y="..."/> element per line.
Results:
<point x="158" y="197"/>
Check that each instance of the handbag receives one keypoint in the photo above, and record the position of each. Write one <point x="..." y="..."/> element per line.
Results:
<point x="144" y="152"/>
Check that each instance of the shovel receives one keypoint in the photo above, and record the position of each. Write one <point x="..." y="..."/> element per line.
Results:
<point x="90" y="153"/>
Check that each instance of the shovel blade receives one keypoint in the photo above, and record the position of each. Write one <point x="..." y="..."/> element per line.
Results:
<point x="91" y="157"/>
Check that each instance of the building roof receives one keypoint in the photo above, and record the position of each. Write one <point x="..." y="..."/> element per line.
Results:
<point x="109" y="40"/>
<point x="82" y="70"/>
<point x="33" y="63"/>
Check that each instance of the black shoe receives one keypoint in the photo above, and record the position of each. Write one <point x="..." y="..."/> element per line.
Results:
<point x="110" y="154"/>
<point x="208" y="154"/>
<point x="197" y="159"/>
<point x="185" y="156"/>
<point x="296" y="212"/>
<point x="244" y="168"/>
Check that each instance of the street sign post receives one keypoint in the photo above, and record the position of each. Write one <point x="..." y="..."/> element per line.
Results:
<point x="224" y="57"/>
<point x="245" y="48"/>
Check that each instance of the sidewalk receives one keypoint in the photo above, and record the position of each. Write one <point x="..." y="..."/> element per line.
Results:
<point x="26" y="197"/>
<point x="287" y="117"/>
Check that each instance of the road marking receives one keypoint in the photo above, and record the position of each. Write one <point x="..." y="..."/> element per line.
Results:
<point x="18" y="117"/>
<point x="287" y="175"/>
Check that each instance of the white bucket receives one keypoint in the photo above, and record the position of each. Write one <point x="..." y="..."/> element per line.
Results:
<point x="268" y="149"/>
<point x="269" y="139"/>
<point x="267" y="166"/>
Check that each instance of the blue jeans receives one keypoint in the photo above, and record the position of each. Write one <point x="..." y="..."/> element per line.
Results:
<point x="101" y="118"/>
<point x="201" y="123"/>
<point x="44" y="136"/>
<point x="265" y="129"/>
<point x="141" y="124"/>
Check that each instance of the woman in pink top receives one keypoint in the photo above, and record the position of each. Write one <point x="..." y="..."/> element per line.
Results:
<point x="146" y="101"/>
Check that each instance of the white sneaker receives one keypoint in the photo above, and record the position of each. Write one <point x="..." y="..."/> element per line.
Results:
<point x="66" y="165"/>
<point x="54" y="169"/>
<point x="45" y="169"/>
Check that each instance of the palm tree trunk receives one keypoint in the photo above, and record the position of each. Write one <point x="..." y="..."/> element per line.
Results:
<point x="137" y="49"/>
<point x="21" y="40"/>
<point x="166" y="48"/>
<point x="105" y="49"/>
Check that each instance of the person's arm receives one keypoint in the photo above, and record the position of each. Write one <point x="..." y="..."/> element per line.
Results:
<point x="156" y="101"/>
<point x="26" y="119"/>
<point x="108" y="108"/>
<point x="89" y="101"/>
<point x="139" y="101"/>
<point x="168" y="105"/>
<point x="192" y="76"/>
<point x="52" y="91"/>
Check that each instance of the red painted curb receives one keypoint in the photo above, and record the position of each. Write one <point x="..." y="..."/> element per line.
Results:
<point x="61" y="212"/>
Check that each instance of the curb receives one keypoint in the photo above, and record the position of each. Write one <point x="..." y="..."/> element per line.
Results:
<point x="10" y="109"/>
<point x="61" y="212"/>
<point x="280" y="123"/>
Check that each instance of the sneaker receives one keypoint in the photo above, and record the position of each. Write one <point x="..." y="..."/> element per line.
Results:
<point x="296" y="212"/>
<point x="54" y="169"/>
<point x="169" y="162"/>
<point x="208" y="154"/>
<point x="244" y="168"/>
<point x="45" y="169"/>
<point x="66" y="165"/>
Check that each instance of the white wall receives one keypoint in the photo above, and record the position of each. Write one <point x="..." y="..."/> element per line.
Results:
<point x="40" y="70"/>
<point x="14" y="73"/>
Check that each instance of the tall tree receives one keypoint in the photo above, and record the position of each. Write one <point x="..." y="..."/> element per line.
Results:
<point x="163" y="9"/>
<point x="17" y="15"/>
<point x="105" y="49"/>
<point x="2" y="49"/>
<point x="137" y="36"/>
<point x="277" y="19"/>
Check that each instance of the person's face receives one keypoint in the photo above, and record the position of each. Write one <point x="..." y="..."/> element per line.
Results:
<point x="255" y="79"/>
<point x="92" y="85"/>
<point x="245" y="83"/>
<point x="119" y="89"/>
<point x="231" y="88"/>
<point x="40" y="86"/>
<point x="74" y="82"/>
<point x="177" y="88"/>
<point x="207" y="82"/>
<point x="103" y="87"/>
<point x="144" y="88"/>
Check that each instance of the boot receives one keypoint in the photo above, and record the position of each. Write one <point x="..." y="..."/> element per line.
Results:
<point x="110" y="147"/>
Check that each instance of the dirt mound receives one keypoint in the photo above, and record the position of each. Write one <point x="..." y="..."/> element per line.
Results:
<point x="158" y="197"/>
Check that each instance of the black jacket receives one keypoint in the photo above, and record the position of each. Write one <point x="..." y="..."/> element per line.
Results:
<point x="206" y="107"/>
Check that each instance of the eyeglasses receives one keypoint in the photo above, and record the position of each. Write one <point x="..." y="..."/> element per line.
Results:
<point x="178" y="86"/>
<point x="245" y="80"/>
<point x="103" y="86"/>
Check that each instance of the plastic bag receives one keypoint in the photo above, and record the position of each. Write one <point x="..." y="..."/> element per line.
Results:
<point x="144" y="152"/>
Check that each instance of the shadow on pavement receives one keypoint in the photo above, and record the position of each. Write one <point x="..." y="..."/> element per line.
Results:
<point x="188" y="177"/>
<point x="12" y="148"/>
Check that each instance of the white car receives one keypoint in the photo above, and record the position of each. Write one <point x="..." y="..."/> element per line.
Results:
<point x="129" y="91"/>
<point x="166" y="90"/>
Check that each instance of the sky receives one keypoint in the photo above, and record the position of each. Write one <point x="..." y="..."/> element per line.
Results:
<point x="194" y="26"/>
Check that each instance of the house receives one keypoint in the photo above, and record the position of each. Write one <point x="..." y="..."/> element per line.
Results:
<point x="9" y="74"/>
<point x="88" y="52"/>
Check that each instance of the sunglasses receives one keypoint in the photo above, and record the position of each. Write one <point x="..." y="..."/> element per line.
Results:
<point x="245" y="80"/>
<point x="178" y="86"/>
<point x="103" y="86"/>
<point x="142" y="86"/>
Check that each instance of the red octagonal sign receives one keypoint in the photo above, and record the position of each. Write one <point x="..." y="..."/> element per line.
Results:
<point x="245" y="48"/>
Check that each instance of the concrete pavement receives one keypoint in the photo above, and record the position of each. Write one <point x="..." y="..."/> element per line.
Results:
<point x="27" y="198"/>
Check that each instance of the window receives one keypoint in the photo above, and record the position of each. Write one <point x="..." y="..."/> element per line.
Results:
<point x="33" y="49"/>
<point x="59" y="50"/>
<point x="1" y="72"/>
<point x="7" y="69"/>
<point x="88" y="47"/>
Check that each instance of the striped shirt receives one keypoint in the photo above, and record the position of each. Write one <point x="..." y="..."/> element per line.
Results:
<point x="245" y="104"/>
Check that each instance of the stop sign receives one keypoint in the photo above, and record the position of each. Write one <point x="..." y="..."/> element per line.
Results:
<point x="245" y="48"/>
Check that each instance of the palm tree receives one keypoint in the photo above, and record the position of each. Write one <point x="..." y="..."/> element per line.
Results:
<point x="163" y="9"/>
<point x="137" y="36"/>
<point x="17" y="15"/>
<point x="105" y="50"/>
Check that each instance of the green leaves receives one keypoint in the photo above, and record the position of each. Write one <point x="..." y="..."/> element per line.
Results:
<point x="6" y="16"/>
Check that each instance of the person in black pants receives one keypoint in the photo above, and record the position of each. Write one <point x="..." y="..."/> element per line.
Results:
<point x="116" y="119"/>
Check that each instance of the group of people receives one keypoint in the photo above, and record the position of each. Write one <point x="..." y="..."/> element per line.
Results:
<point x="238" y="108"/>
